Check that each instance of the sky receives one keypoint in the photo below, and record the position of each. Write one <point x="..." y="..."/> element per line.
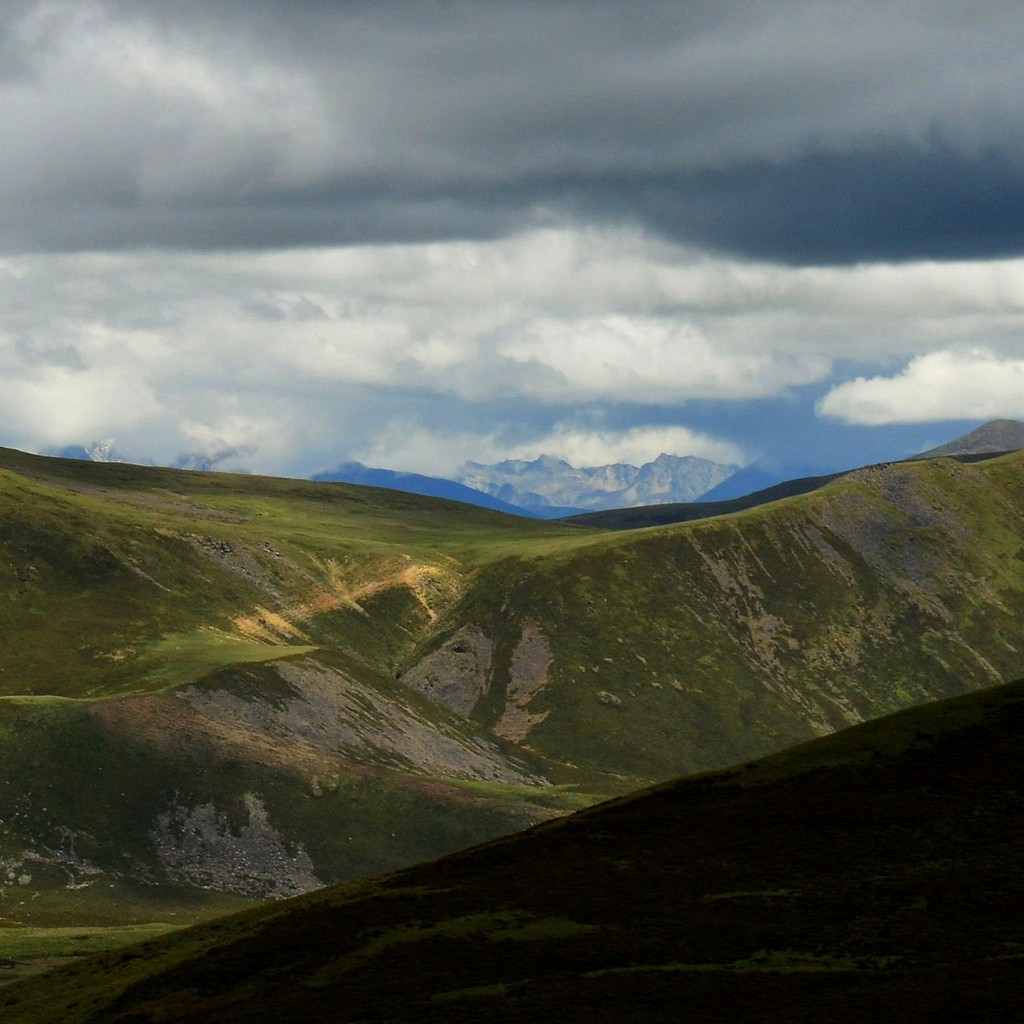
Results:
<point x="279" y="236"/>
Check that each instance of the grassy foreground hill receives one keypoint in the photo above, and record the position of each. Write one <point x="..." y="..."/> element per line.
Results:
<point x="216" y="689"/>
<point x="869" y="875"/>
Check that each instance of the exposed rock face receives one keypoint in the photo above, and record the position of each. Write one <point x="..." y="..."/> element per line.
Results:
<point x="197" y="846"/>
<point x="461" y="672"/>
<point x="528" y="675"/>
<point x="548" y="482"/>
<point x="323" y="709"/>
<point x="457" y="673"/>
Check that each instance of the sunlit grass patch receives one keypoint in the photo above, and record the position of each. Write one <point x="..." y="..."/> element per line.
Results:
<point x="184" y="657"/>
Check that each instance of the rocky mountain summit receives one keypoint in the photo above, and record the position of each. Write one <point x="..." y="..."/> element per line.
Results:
<point x="551" y="486"/>
<point x="994" y="436"/>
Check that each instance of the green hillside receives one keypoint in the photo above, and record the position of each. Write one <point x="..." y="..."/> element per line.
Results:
<point x="869" y="875"/>
<point x="682" y="648"/>
<point x="216" y="689"/>
<point x="152" y="761"/>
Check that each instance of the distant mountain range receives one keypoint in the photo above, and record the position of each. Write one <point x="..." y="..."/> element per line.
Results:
<point x="96" y="451"/>
<point x="105" y="451"/>
<point x="751" y="486"/>
<point x="416" y="483"/>
<point x="551" y="486"/>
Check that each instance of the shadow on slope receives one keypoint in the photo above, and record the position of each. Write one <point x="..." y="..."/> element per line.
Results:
<point x="869" y="875"/>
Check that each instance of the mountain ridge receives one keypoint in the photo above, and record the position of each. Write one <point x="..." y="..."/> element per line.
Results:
<point x="416" y="483"/>
<point x="551" y="483"/>
<point x="992" y="437"/>
<point x="998" y="437"/>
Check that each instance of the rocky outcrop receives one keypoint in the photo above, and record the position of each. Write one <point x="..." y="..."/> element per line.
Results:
<point x="196" y="845"/>
<point x="457" y="673"/>
<point x="528" y="675"/>
<point x="322" y="708"/>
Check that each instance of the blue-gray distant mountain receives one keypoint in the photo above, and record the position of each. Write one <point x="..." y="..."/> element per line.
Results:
<point x="97" y="451"/>
<point x="417" y="483"/>
<point x="749" y="480"/>
<point x="551" y="486"/>
<point x="989" y="438"/>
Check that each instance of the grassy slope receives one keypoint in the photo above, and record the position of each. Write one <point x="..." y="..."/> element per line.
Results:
<point x="125" y="581"/>
<point x="180" y="609"/>
<point x="687" y="647"/>
<point x="873" y="874"/>
<point x="126" y="559"/>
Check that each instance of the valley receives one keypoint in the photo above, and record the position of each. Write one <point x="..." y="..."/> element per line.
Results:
<point x="217" y="689"/>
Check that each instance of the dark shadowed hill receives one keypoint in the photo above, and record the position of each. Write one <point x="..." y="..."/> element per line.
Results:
<point x="743" y="482"/>
<point x="686" y="512"/>
<point x="873" y="875"/>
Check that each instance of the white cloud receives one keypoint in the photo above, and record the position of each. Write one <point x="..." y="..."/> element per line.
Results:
<point x="230" y="431"/>
<point x="58" y="405"/>
<point x="651" y="359"/>
<point x="635" y="446"/>
<point x="477" y="350"/>
<point x="944" y="385"/>
<point x="404" y="446"/>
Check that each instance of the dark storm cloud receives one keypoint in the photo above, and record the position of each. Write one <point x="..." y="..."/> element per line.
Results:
<point x="885" y="204"/>
<point x="794" y="131"/>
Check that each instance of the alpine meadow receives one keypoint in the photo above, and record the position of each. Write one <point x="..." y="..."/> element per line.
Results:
<point x="223" y="689"/>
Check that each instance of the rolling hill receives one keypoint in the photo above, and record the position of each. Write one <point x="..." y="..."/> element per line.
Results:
<point x="869" y="875"/>
<point x="197" y="693"/>
<point x="216" y="689"/>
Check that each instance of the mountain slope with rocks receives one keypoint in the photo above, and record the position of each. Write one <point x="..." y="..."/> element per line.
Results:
<point x="221" y="688"/>
<point x="993" y="437"/>
<point x="873" y="874"/>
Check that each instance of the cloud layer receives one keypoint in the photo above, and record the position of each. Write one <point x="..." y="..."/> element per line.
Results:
<point x="790" y="131"/>
<point x="279" y="235"/>
<point x="968" y="385"/>
<point x="593" y="344"/>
